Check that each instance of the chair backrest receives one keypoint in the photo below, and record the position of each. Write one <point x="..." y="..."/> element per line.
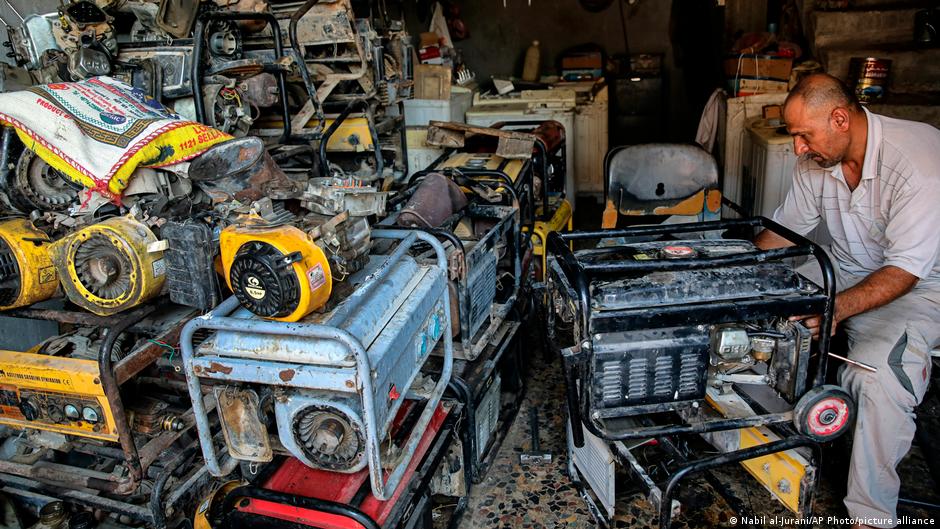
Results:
<point x="662" y="179"/>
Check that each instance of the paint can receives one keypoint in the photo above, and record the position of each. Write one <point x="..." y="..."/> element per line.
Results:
<point x="869" y="77"/>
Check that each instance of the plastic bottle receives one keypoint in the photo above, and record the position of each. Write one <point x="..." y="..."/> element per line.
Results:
<point x="530" y="71"/>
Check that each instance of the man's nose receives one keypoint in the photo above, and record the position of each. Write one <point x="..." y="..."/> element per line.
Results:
<point x="799" y="146"/>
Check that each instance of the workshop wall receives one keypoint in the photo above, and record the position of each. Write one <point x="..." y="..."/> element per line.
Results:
<point x="499" y="37"/>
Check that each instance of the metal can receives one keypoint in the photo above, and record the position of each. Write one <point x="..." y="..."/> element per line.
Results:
<point x="869" y="77"/>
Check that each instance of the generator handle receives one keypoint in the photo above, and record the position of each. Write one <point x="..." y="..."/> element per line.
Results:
<point x="334" y="126"/>
<point x="219" y="320"/>
<point x="349" y="512"/>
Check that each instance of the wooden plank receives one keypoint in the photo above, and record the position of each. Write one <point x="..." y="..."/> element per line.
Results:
<point x="511" y="144"/>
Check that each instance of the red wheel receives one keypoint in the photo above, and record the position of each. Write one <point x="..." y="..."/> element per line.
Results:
<point x="824" y="413"/>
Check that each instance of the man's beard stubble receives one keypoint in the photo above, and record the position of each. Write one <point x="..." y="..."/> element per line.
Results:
<point x="820" y="160"/>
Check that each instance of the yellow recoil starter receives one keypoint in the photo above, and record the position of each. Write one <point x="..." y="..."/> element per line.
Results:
<point x="107" y="267"/>
<point x="276" y="272"/>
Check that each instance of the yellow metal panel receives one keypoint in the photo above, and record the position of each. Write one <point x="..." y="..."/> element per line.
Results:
<point x="351" y="136"/>
<point x="37" y="275"/>
<point x="781" y="473"/>
<point x="561" y="221"/>
<point x="50" y="383"/>
<point x="130" y="238"/>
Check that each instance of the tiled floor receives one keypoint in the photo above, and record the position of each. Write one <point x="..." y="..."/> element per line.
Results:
<point x="514" y="495"/>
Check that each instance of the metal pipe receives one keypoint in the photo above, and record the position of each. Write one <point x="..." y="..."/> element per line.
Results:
<point x="468" y="433"/>
<point x="19" y="485"/>
<point x="299" y="59"/>
<point x="665" y="507"/>
<point x="157" y="506"/>
<point x="61" y="475"/>
<point x="5" y="144"/>
<point x="112" y="392"/>
<point x="714" y="425"/>
<point x="303" y="502"/>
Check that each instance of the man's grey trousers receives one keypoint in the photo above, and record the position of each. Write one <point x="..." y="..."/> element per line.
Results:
<point x="896" y="339"/>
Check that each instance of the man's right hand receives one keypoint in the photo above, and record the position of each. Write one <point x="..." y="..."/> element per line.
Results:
<point x="813" y="323"/>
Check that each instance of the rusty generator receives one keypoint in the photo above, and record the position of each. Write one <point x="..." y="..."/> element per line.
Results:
<point x="661" y="338"/>
<point x="97" y="420"/>
<point x="326" y="389"/>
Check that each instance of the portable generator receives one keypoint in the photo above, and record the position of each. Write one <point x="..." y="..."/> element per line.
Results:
<point x="483" y="252"/>
<point x="27" y="274"/>
<point x="67" y="425"/>
<point x="110" y="266"/>
<point x="297" y="496"/>
<point x="653" y="329"/>
<point x="328" y="387"/>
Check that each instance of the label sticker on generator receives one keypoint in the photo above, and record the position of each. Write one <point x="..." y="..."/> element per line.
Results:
<point x="47" y="274"/>
<point x="254" y="288"/>
<point x="159" y="267"/>
<point x="316" y="276"/>
<point x="642" y="257"/>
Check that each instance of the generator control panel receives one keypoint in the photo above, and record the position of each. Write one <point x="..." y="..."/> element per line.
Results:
<point x="51" y="393"/>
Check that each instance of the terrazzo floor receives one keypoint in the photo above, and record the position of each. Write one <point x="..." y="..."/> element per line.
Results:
<point x="516" y="495"/>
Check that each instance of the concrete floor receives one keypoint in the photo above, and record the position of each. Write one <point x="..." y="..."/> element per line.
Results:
<point x="514" y="495"/>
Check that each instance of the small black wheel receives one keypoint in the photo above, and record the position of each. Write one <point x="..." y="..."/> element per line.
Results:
<point x="824" y="413"/>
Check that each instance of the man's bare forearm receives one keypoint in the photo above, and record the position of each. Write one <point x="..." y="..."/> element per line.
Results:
<point x="768" y="240"/>
<point x="880" y="288"/>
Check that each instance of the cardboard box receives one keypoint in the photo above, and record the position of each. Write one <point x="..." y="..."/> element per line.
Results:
<point x="758" y="67"/>
<point x="432" y="82"/>
<point x="582" y="61"/>
<point x="749" y="87"/>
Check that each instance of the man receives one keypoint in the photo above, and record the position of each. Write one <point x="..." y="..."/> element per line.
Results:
<point x="875" y="183"/>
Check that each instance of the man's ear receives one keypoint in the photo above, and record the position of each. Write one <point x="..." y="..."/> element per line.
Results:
<point x="839" y="119"/>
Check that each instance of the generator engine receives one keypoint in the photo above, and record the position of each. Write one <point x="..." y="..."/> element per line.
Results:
<point x="27" y="274"/>
<point x="55" y="387"/>
<point x="276" y="272"/>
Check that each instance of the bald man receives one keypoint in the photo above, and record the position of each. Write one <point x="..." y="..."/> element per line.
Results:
<point x="875" y="183"/>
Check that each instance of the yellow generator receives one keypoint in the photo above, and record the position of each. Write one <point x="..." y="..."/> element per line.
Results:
<point x="276" y="272"/>
<point x="57" y="394"/>
<point x="516" y="174"/>
<point x="111" y="266"/>
<point x="27" y="274"/>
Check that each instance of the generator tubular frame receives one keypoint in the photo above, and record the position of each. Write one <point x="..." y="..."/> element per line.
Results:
<point x="316" y="377"/>
<point x="578" y="275"/>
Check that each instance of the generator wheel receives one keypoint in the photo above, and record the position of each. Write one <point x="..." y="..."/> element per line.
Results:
<point x="824" y="413"/>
